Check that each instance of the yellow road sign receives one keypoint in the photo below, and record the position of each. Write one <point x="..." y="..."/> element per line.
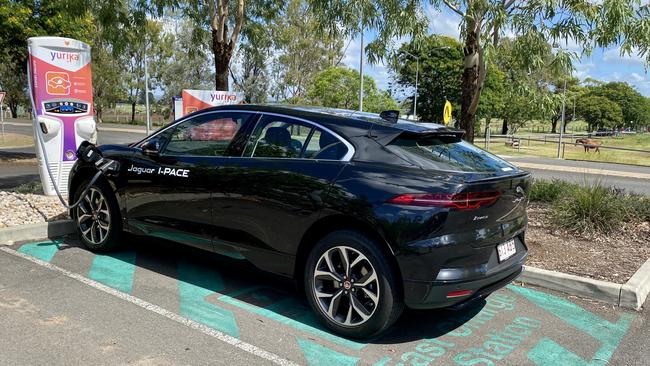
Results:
<point x="446" y="113"/>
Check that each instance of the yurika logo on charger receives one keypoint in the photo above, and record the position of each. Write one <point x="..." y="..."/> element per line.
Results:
<point x="64" y="56"/>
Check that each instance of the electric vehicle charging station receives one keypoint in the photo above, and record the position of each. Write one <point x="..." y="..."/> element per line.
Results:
<point x="60" y="86"/>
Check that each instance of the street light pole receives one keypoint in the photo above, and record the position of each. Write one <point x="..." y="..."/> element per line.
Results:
<point x="415" y="98"/>
<point x="361" y="62"/>
<point x="417" y="78"/>
<point x="146" y="87"/>
<point x="559" y="142"/>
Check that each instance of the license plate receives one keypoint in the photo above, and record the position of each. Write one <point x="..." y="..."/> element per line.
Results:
<point x="506" y="250"/>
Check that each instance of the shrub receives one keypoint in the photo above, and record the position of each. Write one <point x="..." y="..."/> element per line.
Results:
<point x="639" y="206"/>
<point x="591" y="208"/>
<point x="549" y="191"/>
<point x="31" y="187"/>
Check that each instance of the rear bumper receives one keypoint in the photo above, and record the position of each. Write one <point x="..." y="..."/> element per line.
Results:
<point x="431" y="295"/>
<point x="429" y="278"/>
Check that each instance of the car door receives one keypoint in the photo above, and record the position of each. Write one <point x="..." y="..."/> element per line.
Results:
<point x="170" y="189"/>
<point x="274" y="192"/>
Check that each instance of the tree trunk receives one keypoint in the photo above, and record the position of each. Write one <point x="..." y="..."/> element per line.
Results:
<point x="133" y="112"/>
<point x="473" y="77"/>
<point x="13" y="107"/>
<point x="222" y="54"/>
<point x="504" y="127"/>
<point x="98" y="112"/>
<point x="554" y="124"/>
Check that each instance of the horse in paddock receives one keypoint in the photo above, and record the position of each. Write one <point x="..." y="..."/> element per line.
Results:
<point x="589" y="144"/>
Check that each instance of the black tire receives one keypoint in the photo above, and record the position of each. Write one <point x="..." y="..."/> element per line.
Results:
<point x="386" y="289"/>
<point x="111" y="239"/>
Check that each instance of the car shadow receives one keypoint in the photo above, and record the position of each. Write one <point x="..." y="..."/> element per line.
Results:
<point x="238" y="283"/>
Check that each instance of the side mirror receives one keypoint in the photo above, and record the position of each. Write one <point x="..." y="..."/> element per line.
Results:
<point x="151" y="148"/>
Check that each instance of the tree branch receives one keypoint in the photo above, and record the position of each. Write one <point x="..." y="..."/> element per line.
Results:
<point x="212" y="8"/>
<point x="481" y="80"/>
<point x="507" y="4"/>
<point x="222" y="10"/>
<point x="454" y="8"/>
<point x="234" y="78"/>
<point x="239" y="19"/>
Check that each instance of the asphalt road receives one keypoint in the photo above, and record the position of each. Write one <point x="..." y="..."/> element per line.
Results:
<point x="21" y="172"/>
<point x="103" y="136"/>
<point x="575" y="172"/>
<point x="156" y="303"/>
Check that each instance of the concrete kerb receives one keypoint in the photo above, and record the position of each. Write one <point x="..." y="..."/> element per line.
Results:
<point x="631" y="294"/>
<point x="36" y="231"/>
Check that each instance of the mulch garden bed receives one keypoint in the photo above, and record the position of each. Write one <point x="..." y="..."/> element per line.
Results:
<point x="614" y="257"/>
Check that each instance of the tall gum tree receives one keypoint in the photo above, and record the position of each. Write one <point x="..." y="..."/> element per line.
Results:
<point x="586" y="23"/>
<point x="227" y="21"/>
<point x="224" y="42"/>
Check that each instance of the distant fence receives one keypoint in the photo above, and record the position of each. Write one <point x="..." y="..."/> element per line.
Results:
<point x="517" y="141"/>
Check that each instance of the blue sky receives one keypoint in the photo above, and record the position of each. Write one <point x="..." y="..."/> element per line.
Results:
<point x="606" y="65"/>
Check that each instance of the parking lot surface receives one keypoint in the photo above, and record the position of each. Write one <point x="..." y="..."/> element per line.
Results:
<point x="156" y="303"/>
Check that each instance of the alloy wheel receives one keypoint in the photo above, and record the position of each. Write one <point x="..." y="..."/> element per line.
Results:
<point x="94" y="217"/>
<point x="346" y="286"/>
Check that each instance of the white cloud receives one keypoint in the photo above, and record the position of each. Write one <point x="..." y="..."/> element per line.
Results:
<point x="441" y="23"/>
<point x="636" y="77"/>
<point x="583" y="69"/>
<point x="379" y="71"/>
<point x="613" y="56"/>
<point x="639" y="81"/>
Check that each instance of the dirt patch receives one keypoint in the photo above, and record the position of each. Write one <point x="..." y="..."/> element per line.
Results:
<point x="613" y="257"/>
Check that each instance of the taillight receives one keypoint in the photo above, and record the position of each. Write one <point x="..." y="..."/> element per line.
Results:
<point x="460" y="201"/>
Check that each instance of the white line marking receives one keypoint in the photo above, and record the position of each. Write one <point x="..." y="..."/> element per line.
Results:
<point x="247" y="347"/>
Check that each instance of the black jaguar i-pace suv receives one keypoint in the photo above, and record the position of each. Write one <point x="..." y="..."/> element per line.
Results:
<point x="371" y="213"/>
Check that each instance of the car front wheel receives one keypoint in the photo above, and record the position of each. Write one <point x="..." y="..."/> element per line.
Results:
<point x="97" y="217"/>
<point x="351" y="285"/>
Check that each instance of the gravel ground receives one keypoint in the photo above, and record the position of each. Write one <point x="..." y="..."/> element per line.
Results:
<point x="614" y="257"/>
<point x="20" y="209"/>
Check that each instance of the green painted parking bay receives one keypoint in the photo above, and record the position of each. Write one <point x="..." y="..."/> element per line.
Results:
<point x="515" y="326"/>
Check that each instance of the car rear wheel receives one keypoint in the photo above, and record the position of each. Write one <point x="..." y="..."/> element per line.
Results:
<point x="351" y="285"/>
<point x="97" y="217"/>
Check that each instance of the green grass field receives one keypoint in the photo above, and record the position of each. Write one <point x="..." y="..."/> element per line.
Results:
<point x="10" y="140"/>
<point x="549" y="149"/>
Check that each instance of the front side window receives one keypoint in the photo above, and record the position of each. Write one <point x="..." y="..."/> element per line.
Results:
<point x="205" y="135"/>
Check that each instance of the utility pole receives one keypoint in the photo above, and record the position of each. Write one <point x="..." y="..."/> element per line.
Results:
<point x="361" y="62"/>
<point x="559" y="142"/>
<point x="2" y="113"/>
<point x="415" y="98"/>
<point x="417" y="78"/>
<point x="146" y="88"/>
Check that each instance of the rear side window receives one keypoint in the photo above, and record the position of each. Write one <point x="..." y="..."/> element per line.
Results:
<point x="323" y="145"/>
<point x="280" y="137"/>
<point x="277" y="137"/>
<point x="447" y="153"/>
